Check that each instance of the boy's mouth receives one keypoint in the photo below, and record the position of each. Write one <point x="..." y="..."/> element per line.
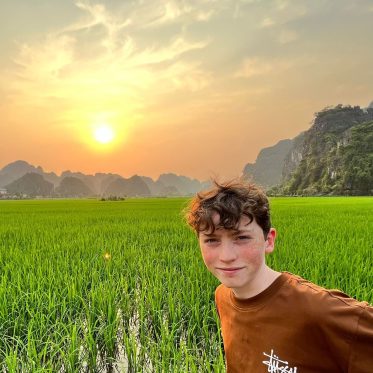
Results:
<point x="230" y="269"/>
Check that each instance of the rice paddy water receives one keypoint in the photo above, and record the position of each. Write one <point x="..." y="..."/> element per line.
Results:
<point x="91" y="285"/>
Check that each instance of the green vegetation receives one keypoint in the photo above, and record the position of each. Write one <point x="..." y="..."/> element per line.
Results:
<point x="332" y="168"/>
<point x="92" y="285"/>
<point x="357" y="156"/>
<point x="337" y="155"/>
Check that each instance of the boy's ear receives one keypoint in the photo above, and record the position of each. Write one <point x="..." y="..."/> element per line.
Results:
<point x="270" y="242"/>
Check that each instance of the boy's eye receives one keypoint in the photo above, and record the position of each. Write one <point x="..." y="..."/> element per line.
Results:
<point x="210" y="240"/>
<point x="242" y="238"/>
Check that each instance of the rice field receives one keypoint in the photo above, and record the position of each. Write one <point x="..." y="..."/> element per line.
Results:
<point x="94" y="286"/>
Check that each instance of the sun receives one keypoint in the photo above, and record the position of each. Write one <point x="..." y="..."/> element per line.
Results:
<point x="104" y="134"/>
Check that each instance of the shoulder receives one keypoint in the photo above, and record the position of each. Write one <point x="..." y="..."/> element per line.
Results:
<point x="222" y="296"/>
<point x="221" y="292"/>
<point x="319" y="293"/>
<point x="325" y="305"/>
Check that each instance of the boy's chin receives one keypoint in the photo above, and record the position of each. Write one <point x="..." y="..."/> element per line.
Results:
<point x="229" y="284"/>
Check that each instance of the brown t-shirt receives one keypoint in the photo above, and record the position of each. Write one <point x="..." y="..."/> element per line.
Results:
<point x="295" y="326"/>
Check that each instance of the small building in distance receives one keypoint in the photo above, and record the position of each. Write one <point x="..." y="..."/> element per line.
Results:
<point x="3" y="192"/>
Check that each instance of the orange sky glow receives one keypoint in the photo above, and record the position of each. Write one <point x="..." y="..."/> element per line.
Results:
<point x="197" y="88"/>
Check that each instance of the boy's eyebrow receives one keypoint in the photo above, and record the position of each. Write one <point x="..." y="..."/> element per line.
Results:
<point x="242" y="231"/>
<point x="208" y="234"/>
<point x="233" y="232"/>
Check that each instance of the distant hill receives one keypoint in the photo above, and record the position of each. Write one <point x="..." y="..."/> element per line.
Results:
<point x="97" y="183"/>
<point x="102" y="184"/>
<point x="293" y="157"/>
<point x="132" y="187"/>
<point x="184" y="185"/>
<point x="333" y="157"/>
<point x="30" y="184"/>
<point x="267" y="169"/>
<point x="336" y="156"/>
<point x="73" y="187"/>
<point x="174" y="185"/>
<point x="15" y="170"/>
<point x="157" y="188"/>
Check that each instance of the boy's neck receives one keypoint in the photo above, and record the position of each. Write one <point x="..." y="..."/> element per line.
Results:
<point x="262" y="281"/>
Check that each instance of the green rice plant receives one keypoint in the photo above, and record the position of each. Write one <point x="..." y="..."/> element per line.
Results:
<point x="99" y="286"/>
<point x="71" y="357"/>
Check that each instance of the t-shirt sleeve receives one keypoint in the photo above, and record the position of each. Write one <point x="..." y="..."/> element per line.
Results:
<point x="347" y="329"/>
<point x="361" y="357"/>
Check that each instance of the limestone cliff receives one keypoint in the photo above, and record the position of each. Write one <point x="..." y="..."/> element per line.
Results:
<point x="335" y="155"/>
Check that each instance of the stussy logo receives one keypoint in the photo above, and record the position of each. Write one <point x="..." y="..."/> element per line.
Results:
<point x="275" y="365"/>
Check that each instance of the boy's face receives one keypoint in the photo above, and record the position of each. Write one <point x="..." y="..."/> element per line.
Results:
<point x="237" y="258"/>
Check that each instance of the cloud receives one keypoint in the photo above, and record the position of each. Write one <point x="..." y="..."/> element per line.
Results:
<point x="163" y="54"/>
<point x="256" y="66"/>
<point x="172" y="11"/>
<point x="159" y="13"/>
<point x="204" y="16"/>
<point x="267" y="22"/>
<point x="190" y="77"/>
<point x="253" y="66"/>
<point x="282" y="4"/>
<point x="46" y="59"/>
<point x="98" y="15"/>
<point x="287" y="36"/>
<point x="101" y="60"/>
<point x="167" y="12"/>
<point x="283" y="12"/>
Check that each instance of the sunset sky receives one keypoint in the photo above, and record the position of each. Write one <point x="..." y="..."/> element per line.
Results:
<point x="194" y="87"/>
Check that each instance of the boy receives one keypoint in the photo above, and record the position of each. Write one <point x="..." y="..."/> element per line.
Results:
<point x="272" y="321"/>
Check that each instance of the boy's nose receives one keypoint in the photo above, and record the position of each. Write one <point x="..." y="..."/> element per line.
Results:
<point x="227" y="252"/>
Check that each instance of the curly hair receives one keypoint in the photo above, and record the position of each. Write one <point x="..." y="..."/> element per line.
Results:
<point x="230" y="200"/>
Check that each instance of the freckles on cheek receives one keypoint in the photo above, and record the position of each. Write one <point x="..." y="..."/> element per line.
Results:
<point x="208" y="257"/>
<point x="255" y="257"/>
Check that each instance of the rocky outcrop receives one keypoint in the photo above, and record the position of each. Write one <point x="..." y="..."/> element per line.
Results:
<point x="267" y="169"/>
<point x="73" y="187"/>
<point x="293" y="157"/>
<point x="98" y="184"/>
<point x="335" y="155"/>
<point x="156" y="187"/>
<point x="185" y="185"/>
<point x="132" y="187"/>
<point x="17" y="169"/>
<point x="30" y="185"/>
